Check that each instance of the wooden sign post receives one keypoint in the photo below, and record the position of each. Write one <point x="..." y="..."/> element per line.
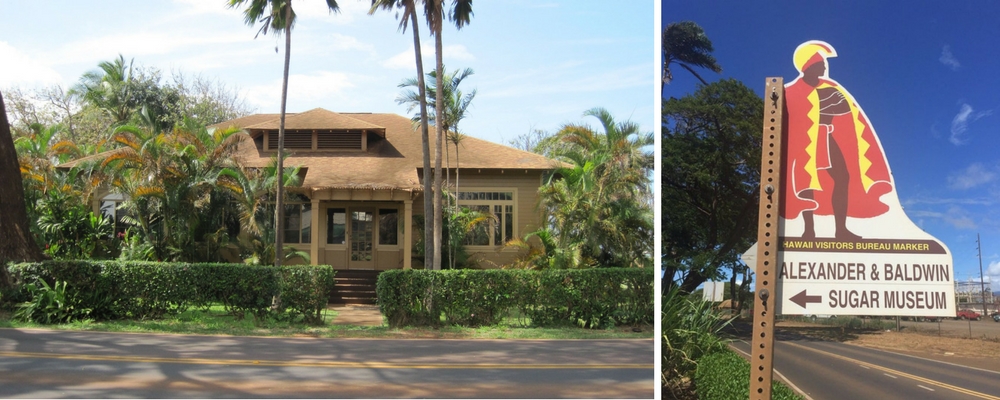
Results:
<point x="762" y="362"/>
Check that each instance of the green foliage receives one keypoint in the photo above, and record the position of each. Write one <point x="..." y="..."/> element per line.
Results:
<point x="598" y="205"/>
<point x="594" y="298"/>
<point x="69" y="230"/>
<point x="689" y="331"/>
<point x="240" y="288"/>
<point x="458" y="225"/>
<point x="134" y="248"/>
<point x="710" y="180"/>
<point x="50" y="304"/>
<point x="149" y="290"/>
<point x="725" y="375"/>
<point x="305" y="290"/>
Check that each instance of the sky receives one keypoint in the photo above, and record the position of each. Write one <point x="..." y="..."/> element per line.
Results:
<point x="925" y="73"/>
<point x="538" y="64"/>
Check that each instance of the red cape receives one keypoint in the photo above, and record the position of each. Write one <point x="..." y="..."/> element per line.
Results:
<point x="807" y="163"/>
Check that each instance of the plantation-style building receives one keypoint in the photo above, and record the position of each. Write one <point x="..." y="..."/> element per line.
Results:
<point x="362" y="185"/>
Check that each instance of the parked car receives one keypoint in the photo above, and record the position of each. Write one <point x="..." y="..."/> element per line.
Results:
<point x="969" y="314"/>
<point x="996" y="316"/>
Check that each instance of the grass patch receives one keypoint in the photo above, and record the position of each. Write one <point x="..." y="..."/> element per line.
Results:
<point x="215" y="321"/>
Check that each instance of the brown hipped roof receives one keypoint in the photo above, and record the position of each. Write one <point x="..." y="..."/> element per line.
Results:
<point x="316" y="118"/>
<point x="389" y="163"/>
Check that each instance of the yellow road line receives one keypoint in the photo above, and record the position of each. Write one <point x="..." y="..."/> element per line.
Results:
<point x="320" y="364"/>
<point x="900" y="373"/>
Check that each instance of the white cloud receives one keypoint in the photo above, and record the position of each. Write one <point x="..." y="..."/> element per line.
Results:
<point x="149" y="43"/>
<point x="202" y="7"/>
<point x="948" y="59"/>
<point x="406" y="59"/>
<point x="975" y="175"/>
<point x="317" y="9"/>
<point x="20" y="68"/>
<point x="993" y="271"/>
<point x="982" y="201"/>
<point x="960" y="124"/>
<point x="307" y="89"/>
<point x="955" y="216"/>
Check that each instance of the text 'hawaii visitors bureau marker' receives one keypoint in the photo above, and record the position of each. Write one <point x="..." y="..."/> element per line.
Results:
<point x="845" y="246"/>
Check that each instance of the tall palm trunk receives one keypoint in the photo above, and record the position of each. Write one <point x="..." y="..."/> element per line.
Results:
<point x="439" y="137"/>
<point x="279" y="231"/>
<point x="447" y="182"/>
<point x="425" y="141"/>
<point x="457" y="164"/>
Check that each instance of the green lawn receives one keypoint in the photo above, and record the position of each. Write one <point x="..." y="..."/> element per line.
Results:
<point x="215" y="321"/>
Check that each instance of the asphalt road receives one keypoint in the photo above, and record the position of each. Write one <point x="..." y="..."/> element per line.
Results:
<point x="56" y="364"/>
<point x="830" y="370"/>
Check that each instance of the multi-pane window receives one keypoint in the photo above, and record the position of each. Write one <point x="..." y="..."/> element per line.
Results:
<point x="500" y="228"/>
<point x="111" y="208"/>
<point x="336" y="226"/>
<point x="298" y="223"/>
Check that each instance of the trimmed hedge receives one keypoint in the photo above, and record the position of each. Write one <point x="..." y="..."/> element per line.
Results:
<point x="590" y="297"/>
<point x="725" y="375"/>
<point x="144" y="290"/>
<point x="305" y="290"/>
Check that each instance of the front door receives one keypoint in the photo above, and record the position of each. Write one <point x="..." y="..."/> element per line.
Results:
<point x="361" y="239"/>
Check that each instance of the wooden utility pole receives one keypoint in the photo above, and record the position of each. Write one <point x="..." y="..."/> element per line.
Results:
<point x="762" y="361"/>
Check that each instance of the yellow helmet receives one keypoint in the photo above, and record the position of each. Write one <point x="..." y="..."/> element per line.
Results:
<point x="811" y="52"/>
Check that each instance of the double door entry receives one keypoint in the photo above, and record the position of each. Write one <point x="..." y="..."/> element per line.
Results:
<point x="357" y="236"/>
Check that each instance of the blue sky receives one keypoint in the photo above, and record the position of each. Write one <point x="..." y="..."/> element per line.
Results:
<point x="538" y="64"/>
<point x="925" y="72"/>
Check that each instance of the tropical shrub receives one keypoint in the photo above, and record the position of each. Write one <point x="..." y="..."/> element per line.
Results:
<point x="598" y="204"/>
<point x="593" y="298"/>
<point x="689" y="330"/>
<point x="305" y="290"/>
<point x="50" y="304"/>
<point x="139" y="290"/>
<point x="725" y="375"/>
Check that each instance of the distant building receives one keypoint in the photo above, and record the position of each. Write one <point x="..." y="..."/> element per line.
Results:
<point x="969" y="295"/>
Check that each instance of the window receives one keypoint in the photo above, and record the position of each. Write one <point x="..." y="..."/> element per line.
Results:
<point x="388" y="226"/>
<point x="336" y="226"/>
<point x="298" y="223"/>
<point x="500" y="228"/>
<point x="111" y="208"/>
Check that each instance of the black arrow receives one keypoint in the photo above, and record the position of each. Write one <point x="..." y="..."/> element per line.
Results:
<point x="802" y="299"/>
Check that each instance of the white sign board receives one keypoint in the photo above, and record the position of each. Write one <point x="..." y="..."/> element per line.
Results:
<point x="845" y="246"/>
<point x="713" y="291"/>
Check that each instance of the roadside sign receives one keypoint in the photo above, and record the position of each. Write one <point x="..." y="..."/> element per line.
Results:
<point x="845" y="245"/>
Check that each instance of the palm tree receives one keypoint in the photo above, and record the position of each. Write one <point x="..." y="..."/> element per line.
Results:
<point x="278" y="16"/>
<point x="169" y="180"/>
<point x="409" y="16"/>
<point x="249" y="187"/>
<point x="456" y="105"/>
<point x="40" y="151"/>
<point x="110" y="89"/>
<point x="685" y="44"/>
<point x="602" y="201"/>
<point x="460" y="14"/>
